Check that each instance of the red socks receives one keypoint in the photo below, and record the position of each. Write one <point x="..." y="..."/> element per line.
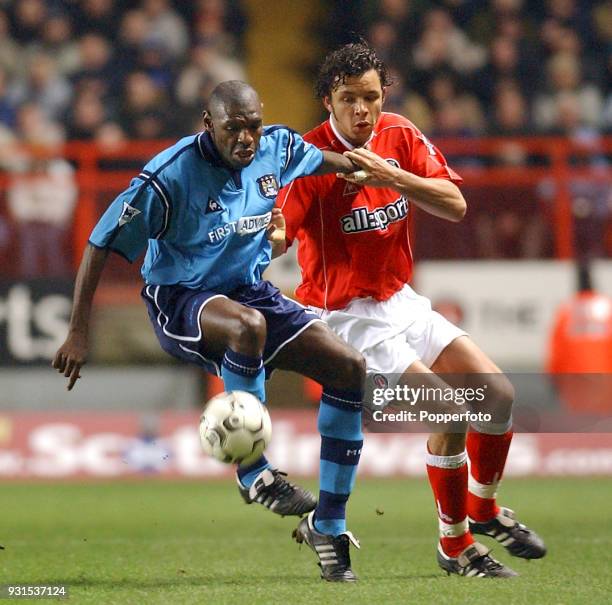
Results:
<point x="458" y="495"/>
<point x="488" y="455"/>
<point x="448" y="476"/>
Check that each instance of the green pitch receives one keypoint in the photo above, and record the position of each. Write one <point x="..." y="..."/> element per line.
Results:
<point x="154" y="542"/>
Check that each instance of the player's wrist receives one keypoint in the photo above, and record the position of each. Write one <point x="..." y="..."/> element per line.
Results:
<point x="399" y="179"/>
<point x="78" y="331"/>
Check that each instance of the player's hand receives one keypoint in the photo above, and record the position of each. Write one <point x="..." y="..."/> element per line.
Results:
<point x="378" y="172"/>
<point x="71" y="356"/>
<point x="276" y="229"/>
<point x="276" y="233"/>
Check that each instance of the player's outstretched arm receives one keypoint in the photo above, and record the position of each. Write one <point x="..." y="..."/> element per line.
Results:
<point x="72" y="355"/>
<point x="335" y="162"/>
<point x="437" y="196"/>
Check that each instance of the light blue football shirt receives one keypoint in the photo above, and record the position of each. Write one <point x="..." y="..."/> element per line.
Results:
<point x="204" y="225"/>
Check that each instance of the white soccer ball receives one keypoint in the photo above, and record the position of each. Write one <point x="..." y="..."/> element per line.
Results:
<point x="235" y="428"/>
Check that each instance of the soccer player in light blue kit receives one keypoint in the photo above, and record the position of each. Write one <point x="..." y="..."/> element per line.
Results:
<point x="203" y="209"/>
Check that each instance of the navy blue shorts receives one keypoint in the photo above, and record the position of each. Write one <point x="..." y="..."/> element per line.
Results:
<point x="175" y="314"/>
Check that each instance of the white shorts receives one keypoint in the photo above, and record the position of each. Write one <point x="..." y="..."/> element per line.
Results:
<point x="394" y="333"/>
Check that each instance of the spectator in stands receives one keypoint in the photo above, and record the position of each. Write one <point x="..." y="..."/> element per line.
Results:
<point x="88" y="114"/>
<point x="505" y="63"/>
<point x="220" y="24"/>
<point x="571" y="15"/>
<point x="144" y="109"/>
<point x="383" y="36"/>
<point x="57" y="40"/>
<point x="165" y="25"/>
<point x="133" y="33"/>
<point x="442" y="88"/>
<point x="110" y="136"/>
<point x="155" y="61"/>
<point x="7" y="106"/>
<point x="602" y="25"/>
<point x="29" y="16"/>
<point x="31" y="121"/>
<point x="43" y="85"/>
<point x="484" y="21"/>
<point x="41" y="198"/>
<point x="557" y="38"/>
<point x="456" y="113"/>
<point x="96" y="71"/>
<point x="396" y="11"/>
<point x="510" y="111"/>
<point x="443" y="44"/>
<point x="10" y="52"/>
<point x="564" y="77"/>
<point x="98" y="16"/>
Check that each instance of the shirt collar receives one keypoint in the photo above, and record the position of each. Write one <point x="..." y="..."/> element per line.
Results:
<point x="208" y="151"/>
<point x="336" y="131"/>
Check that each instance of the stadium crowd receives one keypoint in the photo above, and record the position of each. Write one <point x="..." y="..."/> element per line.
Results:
<point x="105" y="70"/>
<point x="142" y="68"/>
<point x="109" y="71"/>
<point x="500" y="67"/>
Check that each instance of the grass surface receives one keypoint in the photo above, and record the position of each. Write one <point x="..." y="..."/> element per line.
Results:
<point x="155" y="542"/>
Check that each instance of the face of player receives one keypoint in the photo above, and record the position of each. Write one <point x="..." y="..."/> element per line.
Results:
<point x="356" y="106"/>
<point x="236" y="131"/>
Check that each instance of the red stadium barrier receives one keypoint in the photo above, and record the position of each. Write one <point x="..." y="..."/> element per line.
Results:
<point x="103" y="172"/>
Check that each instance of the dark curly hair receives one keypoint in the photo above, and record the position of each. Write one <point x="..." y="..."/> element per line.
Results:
<point x="353" y="59"/>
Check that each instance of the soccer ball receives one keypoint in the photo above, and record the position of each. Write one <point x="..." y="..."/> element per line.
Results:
<point x="235" y="427"/>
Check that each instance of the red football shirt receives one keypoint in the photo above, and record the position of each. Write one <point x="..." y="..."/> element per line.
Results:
<point x="353" y="240"/>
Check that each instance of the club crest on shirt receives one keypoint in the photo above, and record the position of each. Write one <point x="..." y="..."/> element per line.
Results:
<point x="268" y="186"/>
<point x="380" y="381"/>
<point x="128" y="214"/>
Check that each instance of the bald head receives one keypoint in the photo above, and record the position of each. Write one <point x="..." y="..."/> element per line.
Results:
<point x="232" y="95"/>
<point x="234" y="121"/>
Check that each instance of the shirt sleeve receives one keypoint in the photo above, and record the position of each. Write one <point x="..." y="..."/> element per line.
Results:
<point x="299" y="158"/>
<point x="426" y="160"/>
<point x="295" y="201"/>
<point x="138" y="214"/>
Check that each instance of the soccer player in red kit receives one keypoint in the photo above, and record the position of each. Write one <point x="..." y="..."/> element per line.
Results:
<point x="356" y="262"/>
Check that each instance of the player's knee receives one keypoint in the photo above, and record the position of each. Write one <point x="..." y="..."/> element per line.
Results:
<point x="500" y="394"/>
<point x="352" y="371"/>
<point x="249" y="334"/>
